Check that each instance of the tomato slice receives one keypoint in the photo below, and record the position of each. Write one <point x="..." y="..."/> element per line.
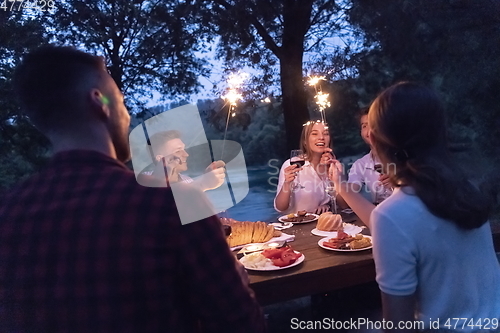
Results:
<point x="272" y="253"/>
<point x="288" y="257"/>
<point x="289" y="253"/>
<point x="282" y="257"/>
<point x="279" y="262"/>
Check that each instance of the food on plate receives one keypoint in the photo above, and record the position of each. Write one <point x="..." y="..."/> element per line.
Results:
<point x="301" y="213"/>
<point x="329" y="222"/>
<point x="345" y="242"/>
<point x="248" y="232"/>
<point x="277" y="233"/>
<point x="300" y="216"/>
<point x="360" y="243"/>
<point x="340" y="242"/>
<point x="256" y="260"/>
<point x="281" y="257"/>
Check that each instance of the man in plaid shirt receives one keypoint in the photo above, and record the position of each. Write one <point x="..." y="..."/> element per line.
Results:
<point x="83" y="246"/>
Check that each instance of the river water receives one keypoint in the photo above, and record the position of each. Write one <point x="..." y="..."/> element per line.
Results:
<point x="258" y="205"/>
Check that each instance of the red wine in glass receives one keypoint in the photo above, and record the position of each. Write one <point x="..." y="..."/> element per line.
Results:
<point x="299" y="163"/>
<point x="297" y="158"/>
<point x="378" y="168"/>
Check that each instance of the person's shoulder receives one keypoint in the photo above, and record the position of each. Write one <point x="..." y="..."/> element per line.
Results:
<point x="140" y="189"/>
<point x="361" y="163"/>
<point x="357" y="169"/>
<point x="403" y="207"/>
<point x="364" y="160"/>
<point x="21" y="189"/>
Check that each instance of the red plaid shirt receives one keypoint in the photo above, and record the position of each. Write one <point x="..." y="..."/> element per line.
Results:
<point x="85" y="248"/>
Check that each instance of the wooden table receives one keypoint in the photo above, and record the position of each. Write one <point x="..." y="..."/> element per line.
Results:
<point x="321" y="271"/>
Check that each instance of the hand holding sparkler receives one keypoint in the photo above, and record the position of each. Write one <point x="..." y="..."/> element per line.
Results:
<point x="232" y="97"/>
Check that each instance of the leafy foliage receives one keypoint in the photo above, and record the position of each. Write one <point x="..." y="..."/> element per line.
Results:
<point x="447" y="44"/>
<point x="22" y="147"/>
<point x="149" y="45"/>
<point x="257" y="126"/>
<point x="265" y="33"/>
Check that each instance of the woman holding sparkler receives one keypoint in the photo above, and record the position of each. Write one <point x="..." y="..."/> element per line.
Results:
<point x="432" y="243"/>
<point x="303" y="178"/>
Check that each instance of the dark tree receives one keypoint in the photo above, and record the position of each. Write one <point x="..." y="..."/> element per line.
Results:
<point x="22" y="147"/>
<point x="149" y="45"/>
<point x="259" y="32"/>
<point x="451" y="45"/>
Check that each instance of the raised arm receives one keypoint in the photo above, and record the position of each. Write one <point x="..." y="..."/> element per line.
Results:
<point x="212" y="178"/>
<point x="350" y="193"/>
<point x="286" y="178"/>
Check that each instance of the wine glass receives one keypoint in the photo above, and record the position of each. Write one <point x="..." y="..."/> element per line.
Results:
<point x="332" y="193"/>
<point x="297" y="158"/>
<point x="382" y="192"/>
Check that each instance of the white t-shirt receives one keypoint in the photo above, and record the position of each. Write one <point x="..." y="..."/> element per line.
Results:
<point x="308" y="198"/>
<point x="454" y="272"/>
<point x="363" y="173"/>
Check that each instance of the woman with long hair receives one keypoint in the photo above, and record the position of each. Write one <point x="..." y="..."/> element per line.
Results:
<point x="432" y="243"/>
<point x="310" y="195"/>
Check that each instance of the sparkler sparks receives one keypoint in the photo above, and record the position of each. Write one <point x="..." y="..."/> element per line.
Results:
<point x="321" y="98"/>
<point x="232" y="97"/>
<point x="314" y="80"/>
<point x="234" y="82"/>
<point x="322" y="101"/>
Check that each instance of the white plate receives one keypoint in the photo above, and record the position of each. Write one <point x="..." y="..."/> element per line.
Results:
<point x="322" y="240"/>
<point x="275" y="268"/>
<point x="349" y="229"/>
<point x="282" y="218"/>
<point x="283" y="237"/>
<point x="281" y="226"/>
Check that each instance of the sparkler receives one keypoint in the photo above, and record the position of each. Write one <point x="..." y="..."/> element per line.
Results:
<point x="321" y="98"/>
<point x="234" y="82"/>
<point x="322" y="101"/>
<point x="314" y="80"/>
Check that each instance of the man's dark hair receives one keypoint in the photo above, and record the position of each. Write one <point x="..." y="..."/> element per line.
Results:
<point x="47" y="83"/>
<point x="363" y="112"/>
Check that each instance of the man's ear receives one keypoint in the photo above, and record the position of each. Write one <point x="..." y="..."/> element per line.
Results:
<point x="99" y="103"/>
